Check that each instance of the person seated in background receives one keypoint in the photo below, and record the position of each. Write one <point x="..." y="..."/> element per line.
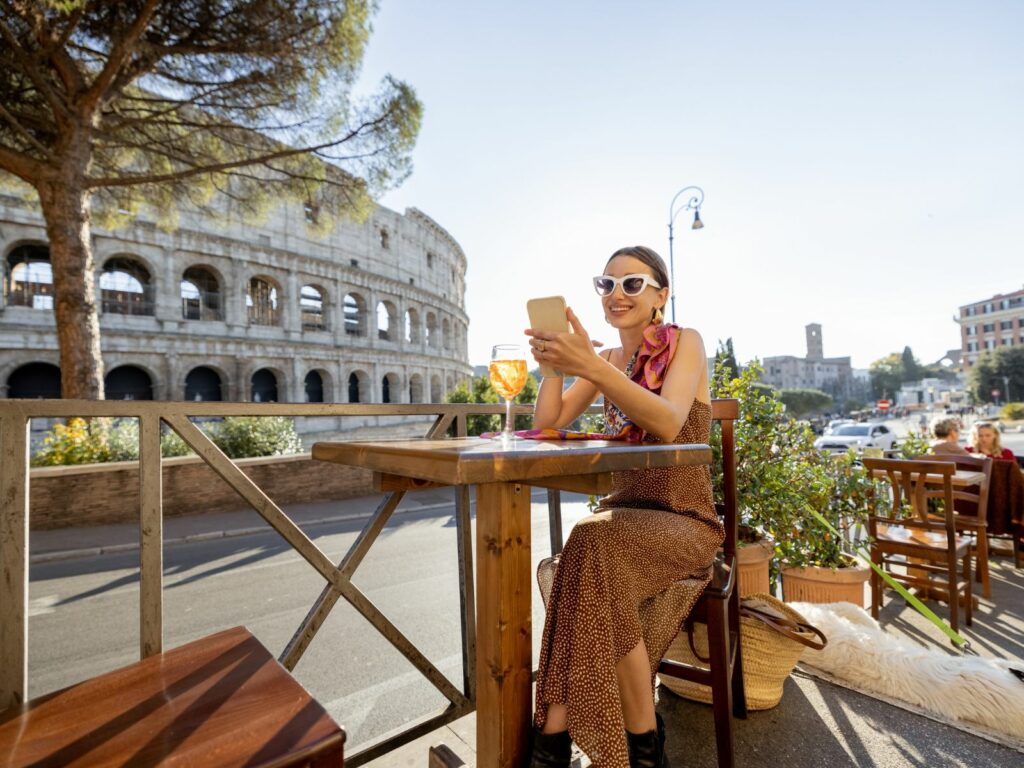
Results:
<point x="947" y="438"/>
<point x="985" y="442"/>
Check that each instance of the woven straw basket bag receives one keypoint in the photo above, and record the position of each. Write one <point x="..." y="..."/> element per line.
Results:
<point x="772" y="637"/>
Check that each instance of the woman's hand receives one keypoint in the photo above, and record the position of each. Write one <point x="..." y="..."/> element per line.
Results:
<point x="571" y="352"/>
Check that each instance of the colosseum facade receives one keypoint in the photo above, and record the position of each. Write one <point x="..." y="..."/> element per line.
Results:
<point x="222" y="309"/>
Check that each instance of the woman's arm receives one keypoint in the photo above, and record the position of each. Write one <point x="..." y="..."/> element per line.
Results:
<point x="662" y="415"/>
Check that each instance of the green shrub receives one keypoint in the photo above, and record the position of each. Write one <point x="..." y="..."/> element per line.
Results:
<point x="242" y="437"/>
<point x="1012" y="412"/>
<point x="96" y="441"/>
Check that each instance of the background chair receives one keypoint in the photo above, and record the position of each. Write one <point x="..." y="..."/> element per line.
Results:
<point x="924" y="546"/>
<point x="971" y="507"/>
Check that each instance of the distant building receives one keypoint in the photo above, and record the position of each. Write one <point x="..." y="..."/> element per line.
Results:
<point x="990" y="323"/>
<point x="832" y="375"/>
<point x="931" y="392"/>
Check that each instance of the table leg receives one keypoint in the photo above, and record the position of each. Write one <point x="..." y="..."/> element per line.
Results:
<point x="504" y="632"/>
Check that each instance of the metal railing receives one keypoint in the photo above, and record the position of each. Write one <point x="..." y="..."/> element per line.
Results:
<point x="15" y="420"/>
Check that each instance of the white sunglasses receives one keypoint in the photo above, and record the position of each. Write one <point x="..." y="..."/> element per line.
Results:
<point x="632" y="285"/>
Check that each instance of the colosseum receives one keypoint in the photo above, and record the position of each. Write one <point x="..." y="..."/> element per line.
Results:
<point x="223" y="309"/>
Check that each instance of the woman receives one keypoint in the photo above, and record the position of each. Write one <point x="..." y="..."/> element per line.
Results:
<point x="985" y="442"/>
<point x="602" y="640"/>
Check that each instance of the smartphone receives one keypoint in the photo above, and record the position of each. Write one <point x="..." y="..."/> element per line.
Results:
<point x="548" y="314"/>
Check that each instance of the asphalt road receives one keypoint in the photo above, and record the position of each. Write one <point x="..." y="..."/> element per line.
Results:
<point x="84" y="613"/>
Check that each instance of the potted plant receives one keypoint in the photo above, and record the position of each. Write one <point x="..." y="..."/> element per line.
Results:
<point x="818" y="564"/>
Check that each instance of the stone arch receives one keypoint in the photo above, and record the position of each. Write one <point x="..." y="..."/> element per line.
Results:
<point x="449" y="384"/>
<point x="201" y="293"/>
<point x="446" y="333"/>
<point x="436" y="396"/>
<point x="390" y="388"/>
<point x="126" y="286"/>
<point x="128" y="382"/>
<point x="355" y="314"/>
<point x="34" y="380"/>
<point x="265" y="386"/>
<point x="28" y="276"/>
<point x="415" y="388"/>
<point x="359" y="387"/>
<point x="263" y="301"/>
<point x="204" y="383"/>
<point x="313" y="307"/>
<point x="431" y="328"/>
<point x="387" y="321"/>
<point x="412" y="326"/>
<point x="316" y="386"/>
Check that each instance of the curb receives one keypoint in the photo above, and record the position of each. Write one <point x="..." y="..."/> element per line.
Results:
<point x="228" y="533"/>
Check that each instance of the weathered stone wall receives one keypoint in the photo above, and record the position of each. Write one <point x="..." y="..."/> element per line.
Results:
<point x="405" y="264"/>
<point x="94" y="494"/>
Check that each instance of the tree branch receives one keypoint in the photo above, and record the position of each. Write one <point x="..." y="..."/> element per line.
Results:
<point x="119" y="54"/>
<point x="21" y="130"/>
<point x="28" y="65"/>
<point x="25" y="168"/>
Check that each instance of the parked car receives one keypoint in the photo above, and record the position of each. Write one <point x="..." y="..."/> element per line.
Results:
<point x="857" y="436"/>
<point x="835" y="423"/>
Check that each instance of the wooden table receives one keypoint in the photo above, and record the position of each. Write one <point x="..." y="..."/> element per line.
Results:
<point x="503" y="473"/>
<point x="219" y="701"/>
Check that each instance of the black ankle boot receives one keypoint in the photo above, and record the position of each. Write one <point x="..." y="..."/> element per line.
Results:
<point x="551" y="750"/>
<point x="647" y="750"/>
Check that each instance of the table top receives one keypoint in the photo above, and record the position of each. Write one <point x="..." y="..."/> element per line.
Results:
<point x="222" y="700"/>
<point x="473" y="460"/>
<point x="961" y="478"/>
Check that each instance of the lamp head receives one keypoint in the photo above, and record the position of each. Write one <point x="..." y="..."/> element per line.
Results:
<point x="697" y="223"/>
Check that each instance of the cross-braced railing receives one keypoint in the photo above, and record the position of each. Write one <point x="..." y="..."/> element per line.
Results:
<point x="15" y="419"/>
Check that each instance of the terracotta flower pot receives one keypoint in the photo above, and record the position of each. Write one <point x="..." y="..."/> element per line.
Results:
<point x="813" y="584"/>
<point x="753" y="559"/>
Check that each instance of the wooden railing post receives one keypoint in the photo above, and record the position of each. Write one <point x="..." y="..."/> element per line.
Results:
<point x="151" y="538"/>
<point x="14" y="447"/>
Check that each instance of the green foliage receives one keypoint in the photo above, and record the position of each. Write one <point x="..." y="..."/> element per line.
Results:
<point x="102" y="440"/>
<point x="242" y="437"/>
<point x="803" y="402"/>
<point x="1012" y="412"/>
<point x="911" y="369"/>
<point x="988" y="372"/>
<point x="886" y="376"/>
<point x="527" y="396"/>
<point x="481" y="392"/>
<point x="725" y="355"/>
<point x="780" y="476"/>
<point x="914" y="445"/>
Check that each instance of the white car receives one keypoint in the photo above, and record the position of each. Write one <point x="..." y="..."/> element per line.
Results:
<point x="857" y="436"/>
<point x="835" y="423"/>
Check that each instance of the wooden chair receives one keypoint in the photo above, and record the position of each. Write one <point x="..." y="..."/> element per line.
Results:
<point x="971" y="506"/>
<point x="220" y="700"/>
<point x="719" y="608"/>
<point x="928" y="549"/>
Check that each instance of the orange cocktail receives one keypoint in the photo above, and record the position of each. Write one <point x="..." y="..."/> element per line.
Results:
<point x="508" y="377"/>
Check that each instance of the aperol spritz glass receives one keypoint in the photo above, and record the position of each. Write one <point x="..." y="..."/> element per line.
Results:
<point x="508" y="377"/>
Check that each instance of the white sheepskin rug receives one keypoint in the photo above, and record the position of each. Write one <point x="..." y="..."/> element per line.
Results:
<point x="977" y="694"/>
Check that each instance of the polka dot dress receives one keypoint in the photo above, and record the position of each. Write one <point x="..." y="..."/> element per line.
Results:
<point x="656" y="529"/>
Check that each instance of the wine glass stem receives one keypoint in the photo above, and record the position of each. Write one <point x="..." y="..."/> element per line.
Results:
<point x="508" y="418"/>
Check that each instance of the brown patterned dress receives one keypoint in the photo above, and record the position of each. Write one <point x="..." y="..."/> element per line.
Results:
<point x="656" y="528"/>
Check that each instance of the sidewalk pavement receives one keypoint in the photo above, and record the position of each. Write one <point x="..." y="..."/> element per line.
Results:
<point x="90" y="541"/>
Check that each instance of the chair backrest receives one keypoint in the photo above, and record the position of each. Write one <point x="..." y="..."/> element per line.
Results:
<point x="979" y="498"/>
<point x="725" y="411"/>
<point x="914" y="481"/>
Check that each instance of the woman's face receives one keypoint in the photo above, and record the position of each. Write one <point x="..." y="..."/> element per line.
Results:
<point x="622" y="311"/>
<point x="986" y="437"/>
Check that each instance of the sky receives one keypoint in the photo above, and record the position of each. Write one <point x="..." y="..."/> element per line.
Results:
<point x="861" y="162"/>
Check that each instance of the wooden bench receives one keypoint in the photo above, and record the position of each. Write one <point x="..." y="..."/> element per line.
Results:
<point x="220" y="701"/>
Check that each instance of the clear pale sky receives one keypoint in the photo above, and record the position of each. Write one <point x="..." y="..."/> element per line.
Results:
<point x="863" y="163"/>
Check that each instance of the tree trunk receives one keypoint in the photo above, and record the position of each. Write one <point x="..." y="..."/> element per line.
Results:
<point x="66" y="206"/>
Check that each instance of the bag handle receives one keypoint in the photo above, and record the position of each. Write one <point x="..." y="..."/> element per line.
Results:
<point x="797" y="631"/>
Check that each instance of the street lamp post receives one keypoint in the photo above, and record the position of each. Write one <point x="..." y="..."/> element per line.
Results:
<point x="1006" y="389"/>
<point x="693" y="203"/>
